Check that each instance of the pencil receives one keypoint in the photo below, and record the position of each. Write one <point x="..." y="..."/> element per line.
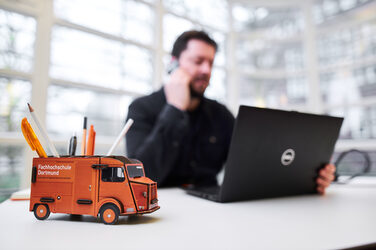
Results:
<point x="122" y="133"/>
<point x="91" y="141"/>
<point x="72" y="145"/>
<point x="83" y="144"/>
<point x="43" y="132"/>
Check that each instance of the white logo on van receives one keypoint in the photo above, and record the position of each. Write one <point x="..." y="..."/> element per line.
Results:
<point x="288" y="157"/>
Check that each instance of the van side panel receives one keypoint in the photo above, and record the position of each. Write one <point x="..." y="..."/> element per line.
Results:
<point x="53" y="183"/>
<point x="84" y="188"/>
<point x="60" y="192"/>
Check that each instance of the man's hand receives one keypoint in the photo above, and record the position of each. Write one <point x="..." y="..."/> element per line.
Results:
<point x="326" y="176"/>
<point x="177" y="89"/>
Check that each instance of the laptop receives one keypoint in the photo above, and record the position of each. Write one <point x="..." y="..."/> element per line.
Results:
<point x="274" y="153"/>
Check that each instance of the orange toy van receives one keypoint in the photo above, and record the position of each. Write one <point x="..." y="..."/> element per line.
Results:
<point x="108" y="186"/>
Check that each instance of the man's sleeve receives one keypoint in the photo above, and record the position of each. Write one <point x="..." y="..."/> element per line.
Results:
<point x="156" y="143"/>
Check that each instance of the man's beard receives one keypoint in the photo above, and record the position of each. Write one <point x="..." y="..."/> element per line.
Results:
<point x="194" y="93"/>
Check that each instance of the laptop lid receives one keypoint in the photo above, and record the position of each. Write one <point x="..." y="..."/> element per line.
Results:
<point x="277" y="153"/>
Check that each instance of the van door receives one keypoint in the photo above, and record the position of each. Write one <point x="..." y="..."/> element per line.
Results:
<point x="114" y="184"/>
<point x="84" y="189"/>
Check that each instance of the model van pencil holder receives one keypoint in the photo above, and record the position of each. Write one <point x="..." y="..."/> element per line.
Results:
<point x="105" y="186"/>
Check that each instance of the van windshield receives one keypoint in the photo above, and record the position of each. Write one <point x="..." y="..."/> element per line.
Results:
<point x="135" y="171"/>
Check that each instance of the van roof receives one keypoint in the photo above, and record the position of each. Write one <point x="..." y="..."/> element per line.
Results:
<point x="124" y="159"/>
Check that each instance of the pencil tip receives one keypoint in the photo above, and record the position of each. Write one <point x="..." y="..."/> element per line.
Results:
<point x="85" y="122"/>
<point x="30" y="108"/>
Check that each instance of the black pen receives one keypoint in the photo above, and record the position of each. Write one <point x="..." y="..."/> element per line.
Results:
<point x="72" y="145"/>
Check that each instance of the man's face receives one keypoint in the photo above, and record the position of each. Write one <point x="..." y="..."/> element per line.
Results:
<point x="197" y="60"/>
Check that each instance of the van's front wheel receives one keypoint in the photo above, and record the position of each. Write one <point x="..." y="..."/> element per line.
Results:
<point x="109" y="214"/>
<point x="41" y="211"/>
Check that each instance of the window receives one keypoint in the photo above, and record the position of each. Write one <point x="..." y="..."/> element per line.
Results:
<point x="269" y="56"/>
<point x="113" y="174"/>
<point x="17" y="36"/>
<point x="14" y="95"/>
<point x="11" y="168"/>
<point x="100" y="61"/>
<point x="273" y="22"/>
<point x="173" y="26"/>
<point x="86" y="58"/>
<point x="326" y="10"/>
<point x="211" y="13"/>
<point x="66" y="107"/>
<point x="348" y="70"/>
<point x="128" y="19"/>
<point x="135" y="171"/>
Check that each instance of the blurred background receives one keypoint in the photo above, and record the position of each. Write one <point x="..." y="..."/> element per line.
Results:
<point x="75" y="58"/>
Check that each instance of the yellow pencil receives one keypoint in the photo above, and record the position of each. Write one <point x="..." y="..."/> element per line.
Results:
<point x="31" y="138"/>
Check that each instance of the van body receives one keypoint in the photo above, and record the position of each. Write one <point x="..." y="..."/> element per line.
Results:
<point x="108" y="186"/>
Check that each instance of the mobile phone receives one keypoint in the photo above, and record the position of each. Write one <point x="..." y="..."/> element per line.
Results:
<point x="172" y="66"/>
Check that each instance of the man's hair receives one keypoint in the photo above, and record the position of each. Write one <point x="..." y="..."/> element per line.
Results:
<point x="181" y="42"/>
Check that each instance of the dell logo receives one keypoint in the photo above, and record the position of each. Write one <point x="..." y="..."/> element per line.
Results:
<point x="288" y="157"/>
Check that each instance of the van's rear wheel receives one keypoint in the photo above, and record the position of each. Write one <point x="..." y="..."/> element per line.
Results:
<point x="41" y="211"/>
<point x="109" y="214"/>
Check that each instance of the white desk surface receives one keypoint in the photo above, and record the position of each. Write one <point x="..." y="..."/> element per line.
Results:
<point x="344" y="217"/>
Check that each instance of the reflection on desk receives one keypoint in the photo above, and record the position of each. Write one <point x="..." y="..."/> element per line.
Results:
<point x="344" y="217"/>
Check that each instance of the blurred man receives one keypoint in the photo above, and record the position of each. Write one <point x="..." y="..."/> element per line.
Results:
<point x="182" y="137"/>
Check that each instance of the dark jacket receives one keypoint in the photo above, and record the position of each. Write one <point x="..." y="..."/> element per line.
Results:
<point x="179" y="147"/>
